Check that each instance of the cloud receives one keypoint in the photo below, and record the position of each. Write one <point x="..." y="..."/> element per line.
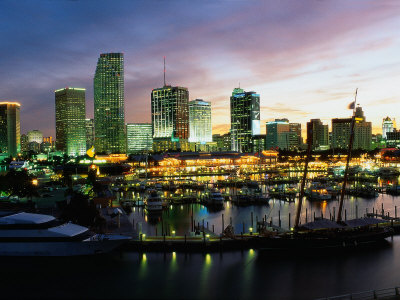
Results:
<point x="295" y="52"/>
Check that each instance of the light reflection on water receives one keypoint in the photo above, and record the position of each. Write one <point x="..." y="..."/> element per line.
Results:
<point x="178" y="217"/>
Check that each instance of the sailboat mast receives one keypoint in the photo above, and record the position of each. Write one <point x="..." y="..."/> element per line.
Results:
<point x="339" y="217"/>
<point x="303" y="182"/>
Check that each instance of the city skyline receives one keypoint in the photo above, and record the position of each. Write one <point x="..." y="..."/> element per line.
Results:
<point x="297" y="69"/>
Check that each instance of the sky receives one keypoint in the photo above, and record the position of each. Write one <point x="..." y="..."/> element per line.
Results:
<point x="305" y="58"/>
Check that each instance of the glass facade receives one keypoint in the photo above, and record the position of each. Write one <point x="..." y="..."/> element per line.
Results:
<point x="109" y="114"/>
<point x="89" y="123"/>
<point x="245" y="119"/>
<point x="10" y="134"/>
<point x="200" y="130"/>
<point x="318" y="133"/>
<point x="278" y="134"/>
<point x="139" y="137"/>
<point x="170" y="112"/>
<point x="388" y="125"/>
<point x="70" y="121"/>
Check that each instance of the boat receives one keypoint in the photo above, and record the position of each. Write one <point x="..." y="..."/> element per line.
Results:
<point x="214" y="197"/>
<point x="318" y="192"/>
<point x="29" y="234"/>
<point x="153" y="201"/>
<point x="325" y="233"/>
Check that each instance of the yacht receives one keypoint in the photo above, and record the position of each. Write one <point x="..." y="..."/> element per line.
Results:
<point x="28" y="234"/>
<point x="214" y="197"/>
<point x="153" y="201"/>
<point x="318" y="192"/>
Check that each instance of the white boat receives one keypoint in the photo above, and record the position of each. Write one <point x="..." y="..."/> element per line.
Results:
<point x="27" y="234"/>
<point x="153" y="201"/>
<point x="214" y="197"/>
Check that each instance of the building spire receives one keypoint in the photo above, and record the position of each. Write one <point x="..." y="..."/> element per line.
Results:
<point x="164" y="71"/>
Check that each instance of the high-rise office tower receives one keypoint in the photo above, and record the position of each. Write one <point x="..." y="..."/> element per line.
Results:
<point x="10" y="135"/>
<point x="278" y="134"/>
<point x="24" y="142"/>
<point x="200" y="121"/>
<point x="245" y="119"/>
<point x="170" y="112"/>
<point x="318" y="133"/>
<point x="139" y="137"/>
<point x="388" y="125"/>
<point x="340" y="133"/>
<point x="70" y="121"/>
<point x="109" y="115"/>
<point x="362" y="132"/>
<point x="89" y="124"/>
<point x="295" y="141"/>
<point x="35" y="136"/>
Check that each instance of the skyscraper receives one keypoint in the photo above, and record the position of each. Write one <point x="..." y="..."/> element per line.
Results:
<point x="278" y="134"/>
<point x="200" y="121"/>
<point x="89" y="124"/>
<point x="109" y="115"/>
<point x="320" y="134"/>
<point x="362" y="132"/>
<point x="170" y="113"/>
<point x="139" y="137"/>
<point x="70" y="121"/>
<point x="10" y="135"/>
<point x="245" y="119"/>
<point x="388" y="125"/>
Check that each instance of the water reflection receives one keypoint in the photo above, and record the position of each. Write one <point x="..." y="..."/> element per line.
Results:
<point x="204" y="277"/>
<point x="142" y="266"/>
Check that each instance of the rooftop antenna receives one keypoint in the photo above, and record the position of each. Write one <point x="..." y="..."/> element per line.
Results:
<point x="164" y="71"/>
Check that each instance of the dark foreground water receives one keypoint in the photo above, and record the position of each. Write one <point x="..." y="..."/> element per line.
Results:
<point x="234" y="275"/>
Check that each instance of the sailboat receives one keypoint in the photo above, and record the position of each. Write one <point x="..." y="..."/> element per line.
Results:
<point x="326" y="233"/>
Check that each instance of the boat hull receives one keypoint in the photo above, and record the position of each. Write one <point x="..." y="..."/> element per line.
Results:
<point x="316" y="243"/>
<point x="66" y="248"/>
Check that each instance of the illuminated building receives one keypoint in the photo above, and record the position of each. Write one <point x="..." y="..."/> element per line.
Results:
<point x="139" y="137"/>
<point x="24" y="142"/>
<point x="245" y="119"/>
<point x="318" y="133"/>
<point x="170" y="112"/>
<point x="35" y="136"/>
<point x="259" y="142"/>
<point x="200" y="130"/>
<point x="89" y="124"/>
<point x="393" y="139"/>
<point x="295" y="140"/>
<point x="70" y="121"/>
<point x="34" y="146"/>
<point x="388" y="125"/>
<point x="362" y="132"/>
<point x="223" y="142"/>
<point x="10" y="135"/>
<point x="278" y="134"/>
<point x="109" y="115"/>
<point x="340" y="133"/>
